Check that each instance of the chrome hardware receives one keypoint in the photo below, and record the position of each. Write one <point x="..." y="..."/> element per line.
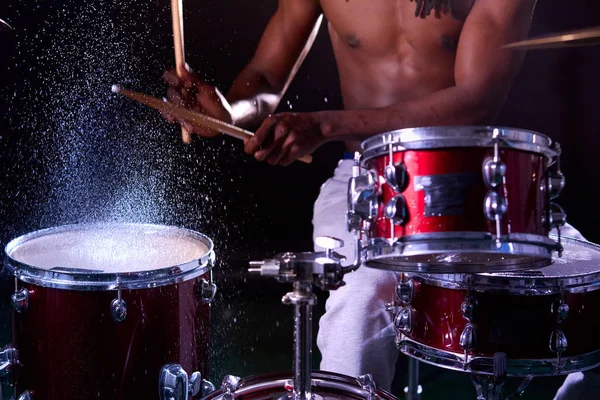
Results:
<point x="26" y="395"/>
<point x="556" y="183"/>
<point x="468" y="337"/>
<point x="367" y="383"/>
<point x="396" y="210"/>
<point x="8" y="357"/>
<point x="494" y="172"/>
<point x="229" y="385"/>
<point x="396" y="176"/>
<point x="20" y="300"/>
<point x="561" y="311"/>
<point x="557" y="215"/>
<point x="173" y="383"/>
<point x="207" y="291"/>
<point x="494" y="205"/>
<point x="405" y="290"/>
<point x="558" y="342"/>
<point x="403" y="320"/>
<point x="329" y="243"/>
<point x="556" y="180"/>
<point x="206" y="388"/>
<point x="118" y="309"/>
<point x="362" y="196"/>
<point x="467" y="309"/>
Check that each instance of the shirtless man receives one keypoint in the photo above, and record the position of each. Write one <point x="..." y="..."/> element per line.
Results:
<point x="401" y="64"/>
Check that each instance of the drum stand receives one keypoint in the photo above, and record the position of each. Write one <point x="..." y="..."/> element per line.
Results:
<point x="491" y="387"/>
<point x="324" y="270"/>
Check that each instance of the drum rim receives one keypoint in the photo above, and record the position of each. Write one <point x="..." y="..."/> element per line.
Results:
<point x="436" y="137"/>
<point x="522" y="285"/>
<point x="323" y="379"/>
<point x="528" y="245"/>
<point x="483" y="365"/>
<point x="108" y="280"/>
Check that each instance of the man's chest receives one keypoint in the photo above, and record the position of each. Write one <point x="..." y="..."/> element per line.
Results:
<point x="379" y="27"/>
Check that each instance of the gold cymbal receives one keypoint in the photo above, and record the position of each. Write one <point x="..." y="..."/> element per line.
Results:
<point x="583" y="37"/>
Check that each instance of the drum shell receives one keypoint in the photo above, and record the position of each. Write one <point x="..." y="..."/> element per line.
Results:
<point x="70" y="346"/>
<point x="523" y="190"/>
<point x="519" y="325"/>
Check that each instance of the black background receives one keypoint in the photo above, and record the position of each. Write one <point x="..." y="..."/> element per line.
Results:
<point x="70" y="151"/>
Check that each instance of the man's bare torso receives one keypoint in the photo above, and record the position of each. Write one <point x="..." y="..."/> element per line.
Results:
<point x="385" y="54"/>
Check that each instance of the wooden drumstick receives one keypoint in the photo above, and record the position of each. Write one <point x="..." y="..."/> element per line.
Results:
<point x="191" y="116"/>
<point x="177" y="17"/>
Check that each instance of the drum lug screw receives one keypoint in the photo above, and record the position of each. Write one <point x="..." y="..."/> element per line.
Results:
<point x="403" y="320"/>
<point x="467" y="309"/>
<point x="405" y="291"/>
<point x="396" y="176"/>
<point x="493" y="172"/>
<point x="396" y="210"/>
<point x="562" y="312"/>
<point x="556" y="183"/>
<point x="118" y="310"/>
<point x="207" y="291"/>
<point x="468" y="337"/>
<point x="20" y="300"/>
<point x="558" y="342"/>
<point x="495" y="205"/>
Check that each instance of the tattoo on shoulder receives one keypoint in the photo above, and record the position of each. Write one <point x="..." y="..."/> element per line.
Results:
<point x="458" y="9"/>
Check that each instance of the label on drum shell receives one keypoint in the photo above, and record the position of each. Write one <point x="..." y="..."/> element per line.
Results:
<point x="444" y="193"/>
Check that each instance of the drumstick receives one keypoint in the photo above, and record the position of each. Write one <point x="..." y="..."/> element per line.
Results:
<point x="177" y="17"/>
<point x="191" y="116"/>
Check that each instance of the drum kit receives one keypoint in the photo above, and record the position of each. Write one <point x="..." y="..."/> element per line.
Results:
<point x="464" y="215"/>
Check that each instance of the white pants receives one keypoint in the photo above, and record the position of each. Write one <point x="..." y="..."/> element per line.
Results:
<point x="356" y="335"/>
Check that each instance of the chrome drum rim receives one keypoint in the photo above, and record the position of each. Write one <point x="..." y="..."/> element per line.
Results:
<point x="485" y="365"/>
<point x="433" y="253"/>
<point x="438" y="137"/>
<point x="83" y="280"/>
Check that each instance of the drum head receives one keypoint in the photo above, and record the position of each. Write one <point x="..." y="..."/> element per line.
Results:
<point x="106" y="256"/>
<point x="578" y="270"/>
<point x="437" y="137"/>
<point x="326" y="385"/>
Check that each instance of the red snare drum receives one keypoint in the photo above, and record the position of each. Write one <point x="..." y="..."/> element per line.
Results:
<point x="456" y="199"/>
<point x="101" y="308"/>
<point x="545" y="320"/>
<point x="326" y="385"/>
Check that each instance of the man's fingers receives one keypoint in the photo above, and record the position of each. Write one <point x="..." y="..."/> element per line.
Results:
<point x="171" y="78"/>
<point x="265" y="130"/>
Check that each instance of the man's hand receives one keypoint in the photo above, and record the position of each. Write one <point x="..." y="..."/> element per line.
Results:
<point x="285" y="137"/>
<point x="191" y="92"/>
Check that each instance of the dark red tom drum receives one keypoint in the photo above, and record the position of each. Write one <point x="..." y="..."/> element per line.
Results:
<point x="544" y="320"/>
<point x="456" y="199"/>
<point x="100" y="309"/>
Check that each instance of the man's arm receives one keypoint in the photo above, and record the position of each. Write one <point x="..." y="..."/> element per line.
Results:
<point x="483" y="75"/>
<point x="257" y="90"/>
<point x="286" y="41"/>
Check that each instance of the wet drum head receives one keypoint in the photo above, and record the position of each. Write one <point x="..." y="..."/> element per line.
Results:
<point x="109" y="255"/>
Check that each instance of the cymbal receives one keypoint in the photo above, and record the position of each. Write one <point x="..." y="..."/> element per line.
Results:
<point x="4" y="27"/>
<point x="583" y="37"/>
